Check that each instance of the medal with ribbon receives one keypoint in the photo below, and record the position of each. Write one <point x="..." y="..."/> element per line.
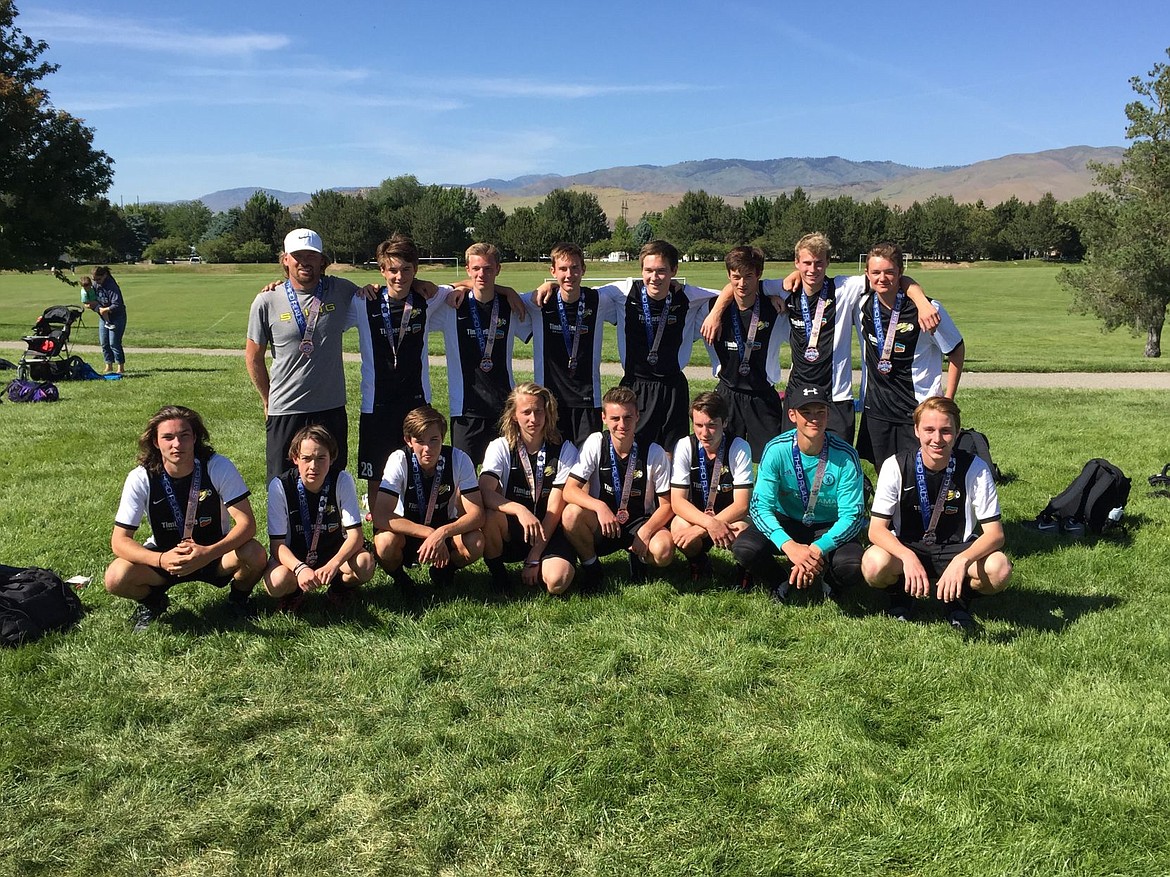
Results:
<point x="535" y="478"/>
<point x="305" y="325"/>
<point x="931" y="513"/>
<point x="710" y="486"/>
<point x="485" y="339"/>
<point x="808" y="495"/>
<point x="318" y="523"/>
<point x="392" y="338"/>
<point x="572" y="336"/>
<point x="185" y="523"/>
<point x="622" y="490"/>
<point x="748" y="345"/>
<point x="654" y="336"/>
<point x="812" y="324"/>
<point x="885" y="340"/>
<point x="417" y="477"/>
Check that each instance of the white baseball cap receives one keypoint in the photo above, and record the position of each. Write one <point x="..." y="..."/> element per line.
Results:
<point x="300" y="239"/>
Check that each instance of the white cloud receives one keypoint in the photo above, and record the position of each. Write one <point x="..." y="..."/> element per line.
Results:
<point x="524" y="88"/>
<point x="67" y="27"/>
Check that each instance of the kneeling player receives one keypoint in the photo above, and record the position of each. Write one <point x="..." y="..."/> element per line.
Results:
<point x="927" y="506"/>
<point x="201" y="520"/>
<point x="619" y="494"/>
<point x="315" y="526"/>
<point x="428" y="508"/>
<point x="710" y="485"/>
<point x="524" y="473"/>
<point x="808" y="503"/>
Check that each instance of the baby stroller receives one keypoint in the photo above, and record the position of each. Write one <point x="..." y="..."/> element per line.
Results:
<point x="47" y="357"/>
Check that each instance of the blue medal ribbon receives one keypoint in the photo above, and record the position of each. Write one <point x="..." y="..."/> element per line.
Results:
<point x="184" y="523"/>
<point x="812" y="329"/>
<point x="572" y="336"/>
<point x="746" y="346"/>
<point x="485" y="340"/>
<point x="931" y="512"/>
<point x="654" y="336"/>
<point x="705" y="482"/>
<point x="621" y="492"/>
<point x="394" y="340"/>
<point x="305" y="326"/>
<point x="416" y="473"/>
<point x="809" y="496"/>
<point x="318" y="524"/>
<point x="885" y="336"/>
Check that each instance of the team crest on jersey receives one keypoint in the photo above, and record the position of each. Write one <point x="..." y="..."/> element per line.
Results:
<point x="899" y="347"/>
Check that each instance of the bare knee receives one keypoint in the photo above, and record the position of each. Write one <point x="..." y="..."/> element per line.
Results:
<point x="879" y="568"/>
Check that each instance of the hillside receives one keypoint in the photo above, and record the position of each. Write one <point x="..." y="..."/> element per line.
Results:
<point x="644" y="188"/>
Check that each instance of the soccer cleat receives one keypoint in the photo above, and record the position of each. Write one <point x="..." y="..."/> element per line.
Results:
<point x="901" y="606"/>
<point x="149" y="611"/>
<point x="402" y="578"/>
<point x="701" y="567"/>
<point x="339" y="596"/>
<point x="779" y="594"/>
<point x="959" y="615"/>
<point x="743" y="579"/>
<point x="242" y="605"/>
<point x="442" y="577"/>
<point x="637" y="569"/>
<point x="290" y="604"/>
<point x="1073" y="528"/>
<point x="591" y="576"/>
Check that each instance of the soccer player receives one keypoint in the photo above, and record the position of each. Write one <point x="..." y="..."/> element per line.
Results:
<point x="392" y="337"/>
<point x="479" y="330"/>
<point x="618" y="494"/>
<point x="201" y="520"/>
<point x="566" y="342"/>
<point x="428" y="509"/>
<point x="315" y="526"/>
<point x="807" y="506"/>
<point x="657" y="325"/>
<point x="746" y="355"/>
<point x="710" y="485"/>
<point x="902" y="364"/>
<point x="928" y="504"/>
<point x="522" y="480"/>
<point x="820" y="316"/>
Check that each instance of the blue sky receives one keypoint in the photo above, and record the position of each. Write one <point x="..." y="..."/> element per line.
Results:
<point x="192" y="99"/>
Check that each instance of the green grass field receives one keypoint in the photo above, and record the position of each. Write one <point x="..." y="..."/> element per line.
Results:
<point x="1014" y="317"/>
<point x="663" y="729"/>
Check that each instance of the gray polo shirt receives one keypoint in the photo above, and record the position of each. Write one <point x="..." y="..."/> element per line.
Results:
<point x="301" y="384"/>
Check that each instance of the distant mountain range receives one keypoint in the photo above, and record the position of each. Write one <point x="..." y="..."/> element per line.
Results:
<point x="643" y="188"/>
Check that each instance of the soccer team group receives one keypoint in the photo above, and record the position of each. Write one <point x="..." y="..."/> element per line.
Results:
<point x="567" y="473"/>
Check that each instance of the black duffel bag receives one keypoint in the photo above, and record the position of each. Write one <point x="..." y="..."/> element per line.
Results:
<point x="34" y="601"/>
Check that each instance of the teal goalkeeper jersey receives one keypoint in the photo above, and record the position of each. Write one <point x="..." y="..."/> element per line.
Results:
<point x="777" y="502"/>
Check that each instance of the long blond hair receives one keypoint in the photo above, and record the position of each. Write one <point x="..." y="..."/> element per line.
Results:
<point x="510" y="429"/>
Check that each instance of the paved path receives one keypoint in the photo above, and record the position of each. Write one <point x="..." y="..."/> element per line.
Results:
<point x="971" y="379"/>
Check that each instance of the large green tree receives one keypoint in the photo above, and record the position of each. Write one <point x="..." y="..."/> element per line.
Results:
<point x="565" y="215"/>
<point x="1125" y="278"/>
<point x="49" y="168"/>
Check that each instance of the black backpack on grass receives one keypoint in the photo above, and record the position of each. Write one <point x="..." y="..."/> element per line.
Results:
<point x="33" y="602"/>
<point x="1096" y="498"/>
<point x="975" y="443"/>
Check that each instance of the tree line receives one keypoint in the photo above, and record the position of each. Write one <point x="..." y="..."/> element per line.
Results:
<point x="444" y="220"/>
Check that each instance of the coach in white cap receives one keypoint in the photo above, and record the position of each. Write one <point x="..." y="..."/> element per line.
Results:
<point x="302" y="320"/>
